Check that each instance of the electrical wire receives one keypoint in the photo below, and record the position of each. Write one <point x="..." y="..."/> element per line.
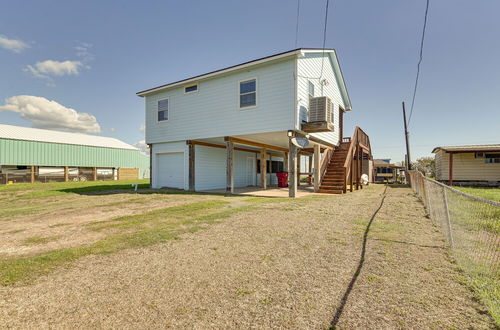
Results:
<point x="324" y="38"/>
<point x="419" y="61"/>
<point x="297" y="24"/>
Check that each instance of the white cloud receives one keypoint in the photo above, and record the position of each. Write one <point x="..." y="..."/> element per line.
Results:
<point x="43" y="113"/>
<point x="83" y="52"/>
<point x="46" y="69"/>
<point x="14" y="45"/>
<point x="142" y="129"/>
<point x="142" y="146"/>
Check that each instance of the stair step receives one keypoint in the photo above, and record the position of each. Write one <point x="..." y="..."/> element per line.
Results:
<point x="326" y="191"/>
<point x="334" y="187"/>
<point x="333" y="181"/>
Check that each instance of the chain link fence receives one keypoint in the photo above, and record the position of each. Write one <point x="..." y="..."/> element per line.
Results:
<point x="472" y="228"/>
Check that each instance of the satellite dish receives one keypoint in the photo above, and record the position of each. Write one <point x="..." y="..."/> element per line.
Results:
<point x="300" y="142"/>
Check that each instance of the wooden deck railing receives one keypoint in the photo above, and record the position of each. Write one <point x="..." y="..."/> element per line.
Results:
<point x="360" y="141"/>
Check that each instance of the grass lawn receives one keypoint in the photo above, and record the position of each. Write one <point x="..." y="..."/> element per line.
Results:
<point x="493" y="194"/>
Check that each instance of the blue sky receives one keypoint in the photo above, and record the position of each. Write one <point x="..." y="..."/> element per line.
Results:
<point x="115" y="48"/>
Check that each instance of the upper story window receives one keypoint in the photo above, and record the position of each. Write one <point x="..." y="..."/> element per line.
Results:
<point x="163" y="110"/>
<point x="248" y="93"/>
<point x="191" y="89"/>
<point x="311" y="89"/>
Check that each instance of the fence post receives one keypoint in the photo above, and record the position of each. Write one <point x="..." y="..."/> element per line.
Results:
<point x="448" y="221"/>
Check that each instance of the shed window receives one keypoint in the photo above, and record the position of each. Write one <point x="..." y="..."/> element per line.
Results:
<point x="163" y="110"/>
<point x="311" y="89"/>
<point x="492" y="158"/>
<point x="191" y="89"/>
<point x="248" y="93"/>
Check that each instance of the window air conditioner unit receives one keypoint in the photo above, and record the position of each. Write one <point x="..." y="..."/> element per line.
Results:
<point x="320" y="109"/>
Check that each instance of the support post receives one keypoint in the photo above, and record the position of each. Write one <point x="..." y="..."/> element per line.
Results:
<point x="309" y="169"/>
<point x="285" y="166"/>
<point x="32" y="174"/>
<point x="66" y="174"/>
<point x="292" y="170"/>
<point x="407" y="139"/>
<point x="191" y="149"/>
<point x="317" y="157"/>
<point x="451" y="169"/>
<point x="351" y="173"/>
<point x="360" y="168"/>
<point x="299" y="158"/>
<point x="94" y="173"/>
<point x="263" y="168"/>
<point x="229" y="167"/>
<point x="448" y="220"/>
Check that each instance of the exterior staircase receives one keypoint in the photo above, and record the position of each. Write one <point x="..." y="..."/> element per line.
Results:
<point x="334" y="179"/>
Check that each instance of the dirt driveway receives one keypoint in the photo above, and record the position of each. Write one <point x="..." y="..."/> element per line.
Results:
<point x="351" y="261"/>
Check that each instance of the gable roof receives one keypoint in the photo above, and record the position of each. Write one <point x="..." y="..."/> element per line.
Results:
<point x="295" y="52"/>
<point x="44" y="135"/>
<point x="469" y="148"/>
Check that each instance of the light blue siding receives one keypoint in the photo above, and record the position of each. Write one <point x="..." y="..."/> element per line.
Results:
<point x="214" y="111"/>
<point x="210" y="168"/>
<point x="309" y="70"/>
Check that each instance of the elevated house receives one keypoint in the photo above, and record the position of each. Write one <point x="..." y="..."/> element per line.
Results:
<point x="385" y="171"/>
<point x="213" y="131"/>
<point x="468" y="165"/>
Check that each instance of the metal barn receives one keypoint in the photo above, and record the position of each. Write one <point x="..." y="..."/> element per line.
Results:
<point x="39" y="155"/>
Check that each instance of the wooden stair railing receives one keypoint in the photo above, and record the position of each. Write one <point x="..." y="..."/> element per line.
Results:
<point x="359" y="141"/>
<point x="324" y="164"/>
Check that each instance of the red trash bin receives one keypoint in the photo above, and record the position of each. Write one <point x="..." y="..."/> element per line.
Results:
<point x="282" y="179"/>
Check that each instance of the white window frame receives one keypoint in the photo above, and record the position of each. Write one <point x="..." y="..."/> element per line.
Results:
<point x="309" y="83"/>
<point x="256" y="94"/>
<point x="158" y="109"/>
<point x="191" y="85"/>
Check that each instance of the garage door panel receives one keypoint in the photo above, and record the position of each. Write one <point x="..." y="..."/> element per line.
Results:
<point x="170" y="170"/>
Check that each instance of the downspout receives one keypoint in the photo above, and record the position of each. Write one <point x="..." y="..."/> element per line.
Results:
<point x="150" y="165"/>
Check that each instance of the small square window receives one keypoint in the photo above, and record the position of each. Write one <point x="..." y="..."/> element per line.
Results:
<point x="163" y="110"/>
<point x="248" y="93"/>
<point x="191" y="89"/>
<point x="311" y="89"/>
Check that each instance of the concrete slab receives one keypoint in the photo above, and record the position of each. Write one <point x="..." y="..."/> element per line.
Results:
<point x="269" y="192"/>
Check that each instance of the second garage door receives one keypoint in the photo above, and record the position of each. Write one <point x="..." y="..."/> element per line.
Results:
<point x="170" y="170"/>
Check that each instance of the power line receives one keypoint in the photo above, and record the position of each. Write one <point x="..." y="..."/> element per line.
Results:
<point x="297" y="24"/>
<point x="419" y="61"/>
<point x="324" y="38"/>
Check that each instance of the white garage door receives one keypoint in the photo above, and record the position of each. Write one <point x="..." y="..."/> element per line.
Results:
<point x="170" y="170"/>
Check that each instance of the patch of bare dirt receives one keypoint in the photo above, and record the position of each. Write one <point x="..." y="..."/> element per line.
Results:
<point x="68" y="226"/>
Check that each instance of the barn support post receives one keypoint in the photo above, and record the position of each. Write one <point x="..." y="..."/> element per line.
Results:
<point x="66" y="174"/>
<point x="451" y="168"/>
<point x="317" y="156"/>
<point x="229" y="167"/>
<point x="32" y="174"/>
<point x="292" y="170"/>
<point x="191" y="148"/>
<point x="94" y="173"/>
<point x="263" y="168"/>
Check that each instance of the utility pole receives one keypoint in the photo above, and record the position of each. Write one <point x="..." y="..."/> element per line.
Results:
<point x="408" y="161"/>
